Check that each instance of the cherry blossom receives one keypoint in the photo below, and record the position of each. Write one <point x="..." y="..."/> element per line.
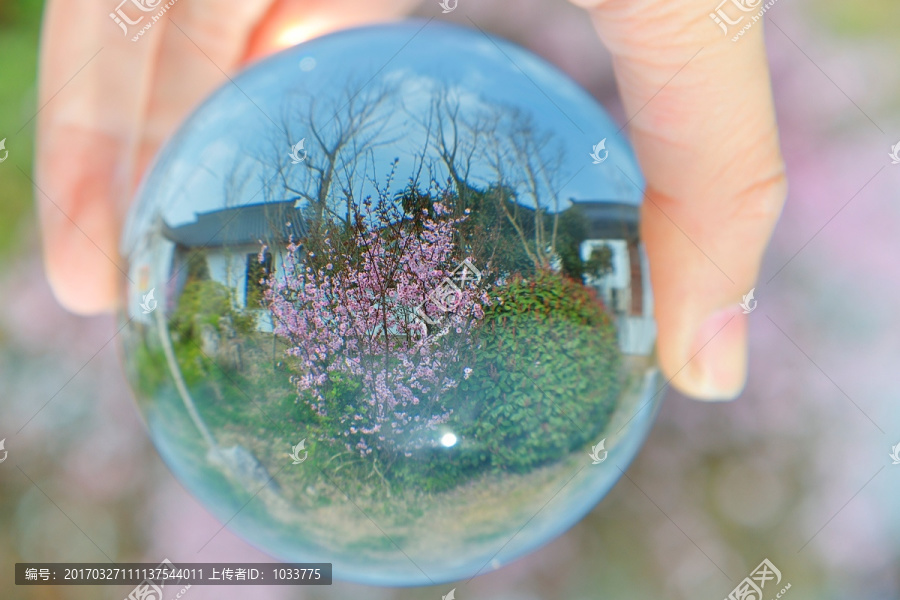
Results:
<point x="376" y="315"/>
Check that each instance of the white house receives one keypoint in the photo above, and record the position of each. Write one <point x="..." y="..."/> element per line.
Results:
<point x="626" y="289"/>
<point x="229" y="241"/>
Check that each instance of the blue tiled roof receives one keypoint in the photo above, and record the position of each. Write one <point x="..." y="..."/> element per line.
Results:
<point x="609" y="219"/>
<point x="277" y="222"/>
<point x="241" y="225"/>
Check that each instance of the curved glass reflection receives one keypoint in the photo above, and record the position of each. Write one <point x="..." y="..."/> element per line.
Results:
<point x="388" y="306"/>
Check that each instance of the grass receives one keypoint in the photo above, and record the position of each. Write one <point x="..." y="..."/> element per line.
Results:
<point x="252" y="409"/>
<point x="544" y="380"/>
<point x="330" y="503"/>
<point x="19" y="27"/>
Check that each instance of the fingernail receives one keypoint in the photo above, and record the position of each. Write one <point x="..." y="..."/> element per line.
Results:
<point x="719" y="366"/>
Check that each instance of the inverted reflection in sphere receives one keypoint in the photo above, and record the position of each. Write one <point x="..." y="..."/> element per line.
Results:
<point x="388" y="306"/>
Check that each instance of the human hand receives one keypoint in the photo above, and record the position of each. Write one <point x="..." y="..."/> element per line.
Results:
<point x="701" y="120"/>
<point x="702" y="123"/>
<point x="115" y="110"/>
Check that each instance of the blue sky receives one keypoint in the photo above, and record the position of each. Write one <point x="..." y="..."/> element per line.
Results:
<point x="241" y="124"/>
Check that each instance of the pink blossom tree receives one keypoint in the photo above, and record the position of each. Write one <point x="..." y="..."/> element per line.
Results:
<point x="381" y="318"/>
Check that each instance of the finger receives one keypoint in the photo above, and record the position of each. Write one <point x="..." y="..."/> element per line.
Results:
<point x="202" y="44"/>
<point x="294" y="21"/>
<point x="95" y="139"/>
<point x="703" y="127"/>
<point x="90" y="98"/>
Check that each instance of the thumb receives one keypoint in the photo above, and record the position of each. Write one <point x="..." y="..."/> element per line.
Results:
<point x="703" y="126"/>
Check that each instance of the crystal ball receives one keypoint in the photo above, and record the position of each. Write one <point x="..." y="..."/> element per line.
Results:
<point x="388" y="306"/>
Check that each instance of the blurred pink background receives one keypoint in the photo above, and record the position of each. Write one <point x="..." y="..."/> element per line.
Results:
<point x="797" y="470"/>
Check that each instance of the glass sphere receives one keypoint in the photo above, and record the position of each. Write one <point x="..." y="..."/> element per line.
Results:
<point x="388" y="306"/>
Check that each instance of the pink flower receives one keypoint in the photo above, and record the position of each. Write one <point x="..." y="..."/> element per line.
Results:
<point x="361" y="322"/>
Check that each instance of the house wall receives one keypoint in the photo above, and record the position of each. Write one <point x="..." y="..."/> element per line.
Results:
<point x="626" y="291"/>
<point x="264" y="321"/>
<point x="637" y="332"/>
<point x="615" y="287"/>
<point x="229" y="267"/>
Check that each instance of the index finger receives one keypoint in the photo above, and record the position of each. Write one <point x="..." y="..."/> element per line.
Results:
<point x="90" y="93"/>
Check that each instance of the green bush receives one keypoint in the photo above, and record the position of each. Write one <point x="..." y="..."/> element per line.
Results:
<point x="148" y="368"/>
<point x="545" y="374"/>
<point x="545" y="379"/>
<point x="437" y="469"/>
<point x="341" y="395"/>
<point x="204" y="301"/>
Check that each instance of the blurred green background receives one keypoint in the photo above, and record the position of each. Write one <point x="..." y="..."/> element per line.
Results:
<point x="19" y="27"/>
<point x="797" y="470"/>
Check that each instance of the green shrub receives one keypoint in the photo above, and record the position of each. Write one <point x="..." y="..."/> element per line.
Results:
<point x="545" y="374"/>
<point x="148" y="368"/>
<point x="342" y="394"/>
<point x="437" y="469"/>
<point x="545" y="379"/>
<point x="204" y="301"/>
